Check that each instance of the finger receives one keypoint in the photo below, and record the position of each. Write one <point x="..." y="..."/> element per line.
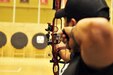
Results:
<point x="66" y="36"/>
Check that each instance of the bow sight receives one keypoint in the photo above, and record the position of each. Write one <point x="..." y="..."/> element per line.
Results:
<point x="57" y="37"/>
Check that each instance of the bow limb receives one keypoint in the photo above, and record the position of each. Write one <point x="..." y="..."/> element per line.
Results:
<point x="54" y="52"/>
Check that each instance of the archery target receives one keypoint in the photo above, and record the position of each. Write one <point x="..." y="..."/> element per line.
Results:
<point x="3" y="39"/>
<point x="39" y="41"/>
<point x="19" y="40"/>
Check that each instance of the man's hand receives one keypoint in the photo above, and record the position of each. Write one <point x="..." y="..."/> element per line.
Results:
<point x="63" y="51"/>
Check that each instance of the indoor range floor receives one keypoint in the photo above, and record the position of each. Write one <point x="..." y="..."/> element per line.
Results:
<point x="25" y="66"/>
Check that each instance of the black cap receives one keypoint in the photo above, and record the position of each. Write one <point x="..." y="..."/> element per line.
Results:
<point x="80" y="9"/>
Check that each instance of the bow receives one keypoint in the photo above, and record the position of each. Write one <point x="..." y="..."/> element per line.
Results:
<point x="54" y="39"/>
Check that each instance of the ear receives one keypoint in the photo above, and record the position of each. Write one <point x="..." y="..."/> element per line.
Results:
<point x="73" y="22"/>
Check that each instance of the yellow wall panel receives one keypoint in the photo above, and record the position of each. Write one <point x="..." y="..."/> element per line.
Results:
<point x="31" y="15"/>
<point x="6" y="14"/>
<point x="30" y="4"/>
<point x="111" y="13"/>
<point x="48" y="5"/>
<point x="46" y="15"/>
<point x="6" y="4"/>
<point x="109" y="4"/>
<point x="26" y="15"/>
<point x="6" y="11"/>
<point x="26" y="12"/>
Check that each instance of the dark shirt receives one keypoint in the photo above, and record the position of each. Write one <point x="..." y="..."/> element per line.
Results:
<point x="78" y="67"/>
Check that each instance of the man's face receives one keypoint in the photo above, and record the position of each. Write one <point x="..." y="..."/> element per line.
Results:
<point x="66" y="23"/>
<point x="69" y="24"/>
